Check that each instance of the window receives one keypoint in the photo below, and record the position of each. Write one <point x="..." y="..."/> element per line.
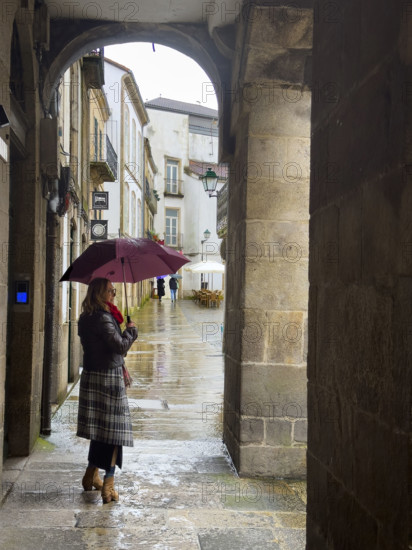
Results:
<point x="140" y="151"/>
<point x="126" y="208"/>
<point x="126" y="135"/>
<point x="172" y="220"/>
<point x="172" y="167"/>
<point x="134" y="214"/>
<point x="134" y="146"/>
<point x="139" y="209"/>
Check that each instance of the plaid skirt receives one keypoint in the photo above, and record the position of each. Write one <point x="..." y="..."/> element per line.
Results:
<point x="103" y="408"/>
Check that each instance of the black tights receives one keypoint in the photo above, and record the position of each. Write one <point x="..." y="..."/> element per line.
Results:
<point x="101" y="455"/>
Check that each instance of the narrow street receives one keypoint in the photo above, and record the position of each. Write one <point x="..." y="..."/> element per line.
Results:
<point x="178" y="489"/>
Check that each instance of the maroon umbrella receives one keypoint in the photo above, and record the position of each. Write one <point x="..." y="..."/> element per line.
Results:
<point x="124" y="260"/>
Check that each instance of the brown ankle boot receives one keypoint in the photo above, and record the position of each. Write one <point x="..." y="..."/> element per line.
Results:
<point x="108" y="492"/>
<point x="91" y="479"/>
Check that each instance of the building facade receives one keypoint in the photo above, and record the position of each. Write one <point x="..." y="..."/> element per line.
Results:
<point x="184" y="140"/>
<point x="151" y="201"/>
<point x="125" y="128"/>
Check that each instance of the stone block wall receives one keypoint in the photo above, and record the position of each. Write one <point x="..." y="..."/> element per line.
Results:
<point x="359" y="362"/>
<point x="265" y="408"/>
<point x="5" y="38"/>
<point x="23" y="238"/>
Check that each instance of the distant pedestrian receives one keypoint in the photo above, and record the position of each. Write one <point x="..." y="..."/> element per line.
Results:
<point x="160" y="288"/>
<point x="104" y="416"/>
<point x="173" y="288"/>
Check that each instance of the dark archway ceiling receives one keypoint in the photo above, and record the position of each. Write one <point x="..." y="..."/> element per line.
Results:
<point x="148" y="11"/>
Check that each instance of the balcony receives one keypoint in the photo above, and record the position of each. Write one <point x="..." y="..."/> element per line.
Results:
<point x="102" y="167"/>
<point x="93" y="68"/>
<point x="150" y="198"/>
<point x="111" y="156"/>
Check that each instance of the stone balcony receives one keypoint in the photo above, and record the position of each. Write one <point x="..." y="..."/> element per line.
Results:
<point x="103" y="167"/>
<point x="150" y="198"/>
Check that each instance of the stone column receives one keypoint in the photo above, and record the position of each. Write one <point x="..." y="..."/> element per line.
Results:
<point x="267" y="249"/>
<point x="4" y="235"/>
<point x="26" y="246"/>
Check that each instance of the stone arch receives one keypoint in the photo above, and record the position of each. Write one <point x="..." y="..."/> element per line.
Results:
<point x="22" y="83"/>
<point x="70" y="41"/>
<point x="263" y="131"/>
<point x="16" y="68"/>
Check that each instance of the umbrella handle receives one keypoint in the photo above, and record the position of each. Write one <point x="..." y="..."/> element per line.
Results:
<point x="128" y="319"/>
<point x="125" y="291"/>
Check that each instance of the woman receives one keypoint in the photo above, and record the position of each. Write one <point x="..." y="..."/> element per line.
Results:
<point x="160" y="288"/>
<point x="104" y="415"/>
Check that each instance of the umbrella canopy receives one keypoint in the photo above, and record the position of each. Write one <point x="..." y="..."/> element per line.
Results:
<point x="175" y="276"/>
<point x="124" y="260"/>
<point x="206" y="267"/>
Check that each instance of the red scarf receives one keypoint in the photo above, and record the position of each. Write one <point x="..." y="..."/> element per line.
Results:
<point x="115" y="312"/>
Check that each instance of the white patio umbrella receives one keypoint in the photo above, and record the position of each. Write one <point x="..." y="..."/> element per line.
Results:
<point x="206" y="267"/>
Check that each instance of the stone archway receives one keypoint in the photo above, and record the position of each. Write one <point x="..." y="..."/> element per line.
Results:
<point x="264" y="130"/>
<point x="71" y="41"/>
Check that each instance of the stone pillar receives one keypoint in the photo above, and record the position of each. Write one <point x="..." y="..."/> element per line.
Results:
<point x="360" y="309"/>
<point x="267" y="247"/>
<point x="4" y="220"/>
<point x="26" y="246"/>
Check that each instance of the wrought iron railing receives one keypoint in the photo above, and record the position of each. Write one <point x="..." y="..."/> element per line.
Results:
<point x="111" y="157"/>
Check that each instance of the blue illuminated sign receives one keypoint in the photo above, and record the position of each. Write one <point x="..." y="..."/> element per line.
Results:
<point x="21" y="292"/>
<point x="22" y="298"/>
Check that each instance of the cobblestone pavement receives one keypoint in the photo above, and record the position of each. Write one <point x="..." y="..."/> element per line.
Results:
<point x="178" y="488"/>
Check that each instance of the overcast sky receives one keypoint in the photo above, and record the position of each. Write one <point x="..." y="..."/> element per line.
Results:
<point x="164" y="72"/>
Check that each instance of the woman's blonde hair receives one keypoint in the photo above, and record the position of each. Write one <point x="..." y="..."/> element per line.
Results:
<point x="95" y="297"/>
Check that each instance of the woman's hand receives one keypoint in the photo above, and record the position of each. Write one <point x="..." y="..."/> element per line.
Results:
<point x="130" y="324"/>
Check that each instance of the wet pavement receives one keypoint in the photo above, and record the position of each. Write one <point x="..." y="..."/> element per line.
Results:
<point x="178" y="488"/>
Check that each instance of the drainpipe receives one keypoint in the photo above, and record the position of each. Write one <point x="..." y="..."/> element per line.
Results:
<point x="70" y="375"/>
<point x="50" y="319"/>
<point x="143" y="203"/>
<point x="142" y="160"/>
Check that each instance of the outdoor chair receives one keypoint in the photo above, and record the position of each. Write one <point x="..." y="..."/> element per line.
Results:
<point x="213" y="299"/>
<point x="203" y="298"/>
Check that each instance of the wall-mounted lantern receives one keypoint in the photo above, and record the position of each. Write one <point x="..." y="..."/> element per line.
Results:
<point x="209" y="181"/>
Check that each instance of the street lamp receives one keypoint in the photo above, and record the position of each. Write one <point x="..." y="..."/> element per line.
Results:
<point x="209" y="181"/>
<point x="206" y="235"/>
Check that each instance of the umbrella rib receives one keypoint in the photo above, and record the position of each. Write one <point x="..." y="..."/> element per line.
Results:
<point x="131" y="270"/>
